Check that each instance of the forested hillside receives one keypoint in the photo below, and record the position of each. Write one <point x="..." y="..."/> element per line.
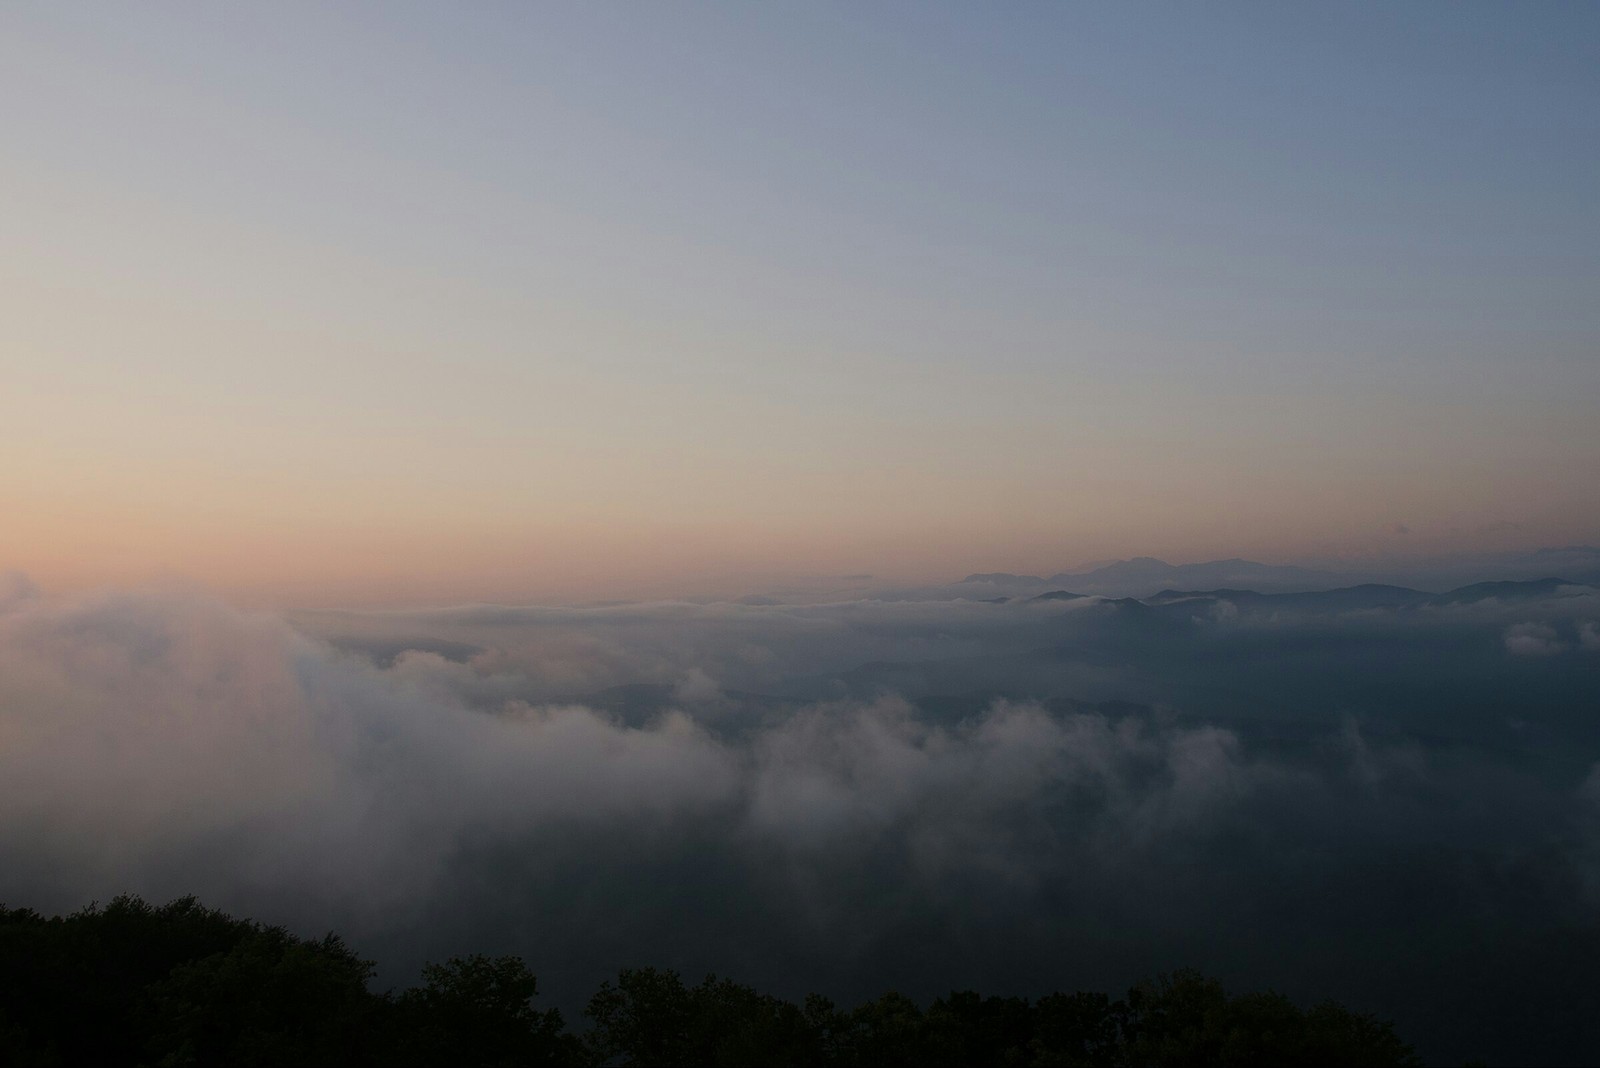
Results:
<point x="181" y="984"/>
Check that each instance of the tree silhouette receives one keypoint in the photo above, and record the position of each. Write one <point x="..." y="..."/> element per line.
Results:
<point x="479" y="1011"/>
<point x="182" y="985"/>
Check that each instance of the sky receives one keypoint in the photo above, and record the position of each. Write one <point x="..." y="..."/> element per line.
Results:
<point x="402" y="304"/>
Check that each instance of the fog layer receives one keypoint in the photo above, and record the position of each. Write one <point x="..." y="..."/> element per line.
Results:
<point x="1387" y="799"/>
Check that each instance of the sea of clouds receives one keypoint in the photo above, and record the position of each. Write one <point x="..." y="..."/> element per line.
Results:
<point x="1397" y="807"/>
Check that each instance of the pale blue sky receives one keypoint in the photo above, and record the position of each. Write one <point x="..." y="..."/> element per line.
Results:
<point x="788" y="287"/>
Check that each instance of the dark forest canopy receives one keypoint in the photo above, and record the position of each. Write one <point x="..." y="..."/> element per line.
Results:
<point x="181" y="984"/>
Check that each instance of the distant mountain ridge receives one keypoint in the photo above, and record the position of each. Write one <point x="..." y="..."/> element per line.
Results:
<point x="1369" y="595"/>
<point x="1150" y="577"/>
<point x="1342" y="599"/>
<point x="1144" y="576"/>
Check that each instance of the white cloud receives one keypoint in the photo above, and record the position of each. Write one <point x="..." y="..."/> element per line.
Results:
<point x="1589" y="637"/>
<point x="1532" y="639"/>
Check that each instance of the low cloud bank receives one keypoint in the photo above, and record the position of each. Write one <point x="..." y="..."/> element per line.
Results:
<point x="439" y="783"/>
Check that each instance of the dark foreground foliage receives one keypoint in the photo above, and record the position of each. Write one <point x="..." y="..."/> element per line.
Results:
<point x="181" y="984"/>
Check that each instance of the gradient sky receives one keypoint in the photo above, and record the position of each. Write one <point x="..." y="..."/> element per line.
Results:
<point x="374" y="303"/>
